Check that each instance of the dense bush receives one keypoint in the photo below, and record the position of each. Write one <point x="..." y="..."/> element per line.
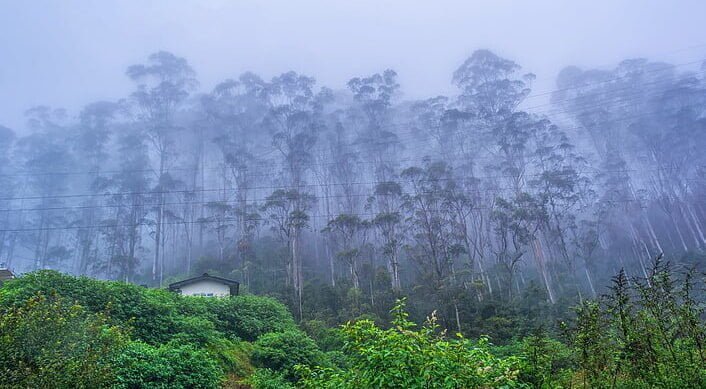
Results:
<point x="232" y="356"/>
<point x="646" y="333"/>
<point x="155" y="315"/>
<point x="269" y="379"/>
<point x="282" y="351"/>
<point x="152" y="313"/>
<point x="167" y="366"/>
<point x="47" y="342"/>
<point x="544" y="362"/>
<point x="66" y="332"/>
<point x="248" y="317"/>
<point x="179" y="341"/>
<point x="328" y="339"/>
<point x="402" y="357"/>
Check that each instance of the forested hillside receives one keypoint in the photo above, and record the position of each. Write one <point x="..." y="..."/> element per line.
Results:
<point x="487" y="204"/>
<point x="365" y="194"/>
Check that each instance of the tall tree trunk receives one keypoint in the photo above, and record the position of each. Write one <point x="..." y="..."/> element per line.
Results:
<point x="297" y="271"/>
<point x="539" y="255"/>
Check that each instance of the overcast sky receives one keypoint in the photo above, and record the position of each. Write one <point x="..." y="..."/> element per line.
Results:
<point x="68" y="53"/>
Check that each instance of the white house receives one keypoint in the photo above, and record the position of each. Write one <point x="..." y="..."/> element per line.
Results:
<point x="207" y="286"/>
<point x="5" y="273"/>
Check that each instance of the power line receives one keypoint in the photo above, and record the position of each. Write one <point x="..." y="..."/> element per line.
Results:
<point x="319" y="185"/>
<point x="227" y="219"/>
<point x="699" y="61"/>
<point x="348" y="195"/>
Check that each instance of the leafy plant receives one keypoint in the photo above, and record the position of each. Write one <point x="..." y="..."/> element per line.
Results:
<point x="49" y="342"/>
<point x="166" y="366"/>
<point x="247" y="317"/>
<point x="282" y="351"/>
<point x="405" y="357"/>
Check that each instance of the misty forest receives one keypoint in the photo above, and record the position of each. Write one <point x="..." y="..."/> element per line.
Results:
<point x="499" y="236"/>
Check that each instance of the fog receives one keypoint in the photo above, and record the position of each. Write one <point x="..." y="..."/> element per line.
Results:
<point x="461" y="152"/>
<point x="69" y="53"/>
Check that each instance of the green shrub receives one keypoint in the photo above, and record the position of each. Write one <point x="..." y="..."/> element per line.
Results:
<point x="646" y="333"/>
<point x="158" y="317"/>
<point x="152" y="313"/>
<point x="167" y="366"/>
<point x="328" y="339"/>
<point x="48" y="342"/>
<point x="281" y="351"/>
<point x="233" y="356"/>
<point x="546" y="362"/>
<point x="195" y="330"/>
<point x="402" y="357"/>
<point x="268" y="379"/>
<point x="247" y="317"/>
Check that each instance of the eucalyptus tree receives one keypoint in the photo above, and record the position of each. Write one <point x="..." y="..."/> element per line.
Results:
<point x="585" y="240"/>
<point x="433" y="244"/>
<point x="490" y="85"/>
<point x="7" y="189"/>
<point x="388" y="205"/>
<point x="604" y="103"/>
<point x="512" y="218"/>
<point x="429" y="220"/>
<point x="490" y="90"/>
<point x="294" y="119"/>
<point x="349" y="232"/>
<point x="466" y="216"/>
<point x="561" y="189"/>
<point x="345" y="169"/>
<point x="616" y="206"/>
<point x="45" y="158"/>
<point x="130" y="202"/>
<point x="493" y="139"/>
<point x="163" y="84"/>
<point x="430" y="122"/>
<point x="235" y="109"/>
<point x="671" y="132"/>
<point x="90" y="144"/>
<point x="515" y="222"/>
<point x="374" y="96"/>
<point x="218" y="221"/>
<point x="337" y="169"/>
<point x="286" y="211"/>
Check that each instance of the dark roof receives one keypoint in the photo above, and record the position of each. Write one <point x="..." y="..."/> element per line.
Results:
<point x="6" y="274"/>
<point x="203" y="277"/>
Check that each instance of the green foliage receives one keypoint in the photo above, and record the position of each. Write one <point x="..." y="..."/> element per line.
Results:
<point x="248" y="317"/>
<point x="327" y="338"/>
<point x="152" y="313"/>
<point x="48" y="342"/>
<point x="269" y="379"/>
<point x="166" y="366"/>
<point x="645" y="333"/>
<point x="544" y="362"/>
<point x="157" y="316"/>
<point x="402" y="357"/>
<point x="181" y="341"/>
<point x="63" y="331"/>
<point x="233" y="356"/>
<point x="196" y="330"/>
<point x="282" y="351"/>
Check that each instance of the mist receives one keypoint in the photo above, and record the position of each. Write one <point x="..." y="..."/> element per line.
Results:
<point x="356" y="194"/>
<point x="382" y="147"/>
<point x="69" y="53"/>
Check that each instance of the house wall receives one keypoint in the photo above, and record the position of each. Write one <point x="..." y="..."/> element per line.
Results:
<point x="204" y="287"/>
